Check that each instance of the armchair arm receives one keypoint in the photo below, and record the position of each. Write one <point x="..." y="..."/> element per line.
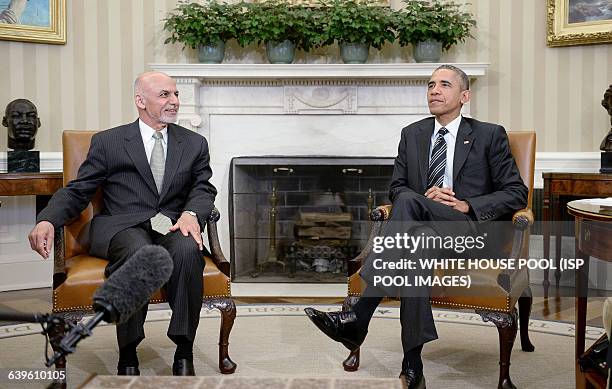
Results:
<point x="523" y="218"/>
<point x="381" y="213"/>
<point x="213" y="240"/>
<point x="378" y="215"/>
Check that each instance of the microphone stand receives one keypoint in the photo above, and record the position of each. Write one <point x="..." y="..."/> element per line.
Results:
<point x="53" y="328"/>
<point x="77" y="332"/>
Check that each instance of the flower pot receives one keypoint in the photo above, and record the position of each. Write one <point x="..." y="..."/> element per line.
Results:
<point x="354" y="52"/>
<point x="212" y="53"/>
<point x="280" y="52"/>
<point x="428" y="51"/>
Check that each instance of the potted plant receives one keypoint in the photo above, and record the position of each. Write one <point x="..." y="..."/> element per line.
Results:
<point x="432" y="26"/>
<point x="204" y="26"/>
<point x="357" y="25"/>
<point x="282" y="27"/>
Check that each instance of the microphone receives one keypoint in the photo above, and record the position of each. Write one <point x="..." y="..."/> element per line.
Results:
<point x="123" y="293"/>
<point x="131" y="286"/>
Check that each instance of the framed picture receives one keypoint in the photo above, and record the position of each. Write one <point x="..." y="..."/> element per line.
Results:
<point x="40" y="21"/>
<point x="578" y="22"/>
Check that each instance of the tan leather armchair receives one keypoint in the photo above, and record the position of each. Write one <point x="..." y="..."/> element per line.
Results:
<point x="77" y="274"/>
<point x="495" y="293"/>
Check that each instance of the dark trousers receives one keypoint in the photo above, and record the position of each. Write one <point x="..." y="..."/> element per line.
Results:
<point x="184" y="289"/>
<point x="415" y="312"/>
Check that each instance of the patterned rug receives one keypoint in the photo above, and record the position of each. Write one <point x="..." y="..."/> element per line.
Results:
<point x="276" y="340"/>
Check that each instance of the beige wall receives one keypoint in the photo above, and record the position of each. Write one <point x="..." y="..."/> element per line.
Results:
<point x="86" y="84"/>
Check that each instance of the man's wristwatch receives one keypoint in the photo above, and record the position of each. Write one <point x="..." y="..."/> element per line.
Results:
<point x="191" y="213"/>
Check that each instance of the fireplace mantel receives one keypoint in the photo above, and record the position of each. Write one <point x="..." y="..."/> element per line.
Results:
<point x="312" y="71"/>
<point x="245" y="89"/>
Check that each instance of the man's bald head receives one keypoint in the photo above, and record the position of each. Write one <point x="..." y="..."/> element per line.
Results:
<point x="144" y="80"/>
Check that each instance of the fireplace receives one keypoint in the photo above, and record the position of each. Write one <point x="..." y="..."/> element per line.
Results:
<point x="300" y="219"/>
<point x="297" y="110"/>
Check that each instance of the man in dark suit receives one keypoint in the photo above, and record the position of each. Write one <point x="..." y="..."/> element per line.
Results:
<point x="448" y="169"/>
<point x="154" y="177"/>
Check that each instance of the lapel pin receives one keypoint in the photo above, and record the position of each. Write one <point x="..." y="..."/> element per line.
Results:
<point x="465" y="142"/>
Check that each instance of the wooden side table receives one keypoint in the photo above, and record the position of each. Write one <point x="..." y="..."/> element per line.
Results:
<point x="593" y="232"/>
<point x="557" y="185"/>
<point x="37" y="184"/>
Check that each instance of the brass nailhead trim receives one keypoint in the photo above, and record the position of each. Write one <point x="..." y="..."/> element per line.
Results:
<point x="507" y="309"/>
<point x="156" y="301"/>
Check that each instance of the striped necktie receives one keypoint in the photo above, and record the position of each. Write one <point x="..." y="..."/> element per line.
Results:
<point x="437" y="162"/>
<point x="158" y="161"/>
<point x="160" y="222"/>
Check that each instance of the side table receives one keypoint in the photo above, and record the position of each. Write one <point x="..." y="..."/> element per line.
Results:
<point x="557" y="185"/>
<point x="593" y="232"/>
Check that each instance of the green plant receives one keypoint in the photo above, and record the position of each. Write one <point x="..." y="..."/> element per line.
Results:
<point x="277" y="20"/>
<point x="440" y="20"/>
<point x="355" y="21"/>
<point x="195" y="24"/>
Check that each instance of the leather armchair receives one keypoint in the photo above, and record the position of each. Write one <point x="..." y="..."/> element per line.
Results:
<point x="77" y="274"/>
<point x="494" y="293"/>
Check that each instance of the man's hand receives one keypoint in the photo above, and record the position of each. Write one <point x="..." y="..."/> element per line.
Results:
<point x="189" y="225"/>
<point x="41" y="238"/>
<point x="446" y="196"/>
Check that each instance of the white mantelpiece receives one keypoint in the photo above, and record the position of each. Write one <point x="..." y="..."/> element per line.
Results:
<point x="311" y="71"/>
<point x="300" y="109"/>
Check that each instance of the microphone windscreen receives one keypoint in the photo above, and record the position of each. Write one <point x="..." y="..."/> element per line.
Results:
<point x="130" y="287"/>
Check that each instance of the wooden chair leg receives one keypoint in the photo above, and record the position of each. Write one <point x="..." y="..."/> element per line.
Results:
<point x="227" y="307"/>
<point x="506" y="324"/>
<point x="351" y="363"/>
<point x="525" y="303"/>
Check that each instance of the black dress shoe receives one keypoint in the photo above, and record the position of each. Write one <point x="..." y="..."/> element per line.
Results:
<point x="412" y="380"/>
<point x="340" y="326"/>
<point x="183" y="367"/>
<point x="128" y="370"/>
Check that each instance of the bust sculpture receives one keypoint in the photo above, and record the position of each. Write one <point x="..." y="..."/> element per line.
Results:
<point x="21" y="119"/>
<point x="606" y="144"/>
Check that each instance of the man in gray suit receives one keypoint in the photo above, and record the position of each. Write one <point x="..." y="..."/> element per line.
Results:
<point x="451" y="173"/>
<point x="154" y="176"/>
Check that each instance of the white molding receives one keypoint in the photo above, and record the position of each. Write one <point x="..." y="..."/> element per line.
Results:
<point x="318" y="71"/>
<point x="570" y="162"/>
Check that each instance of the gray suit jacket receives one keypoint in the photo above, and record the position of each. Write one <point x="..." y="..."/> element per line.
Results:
<point x="117" y="163"/>
<point x="484" y="171"/>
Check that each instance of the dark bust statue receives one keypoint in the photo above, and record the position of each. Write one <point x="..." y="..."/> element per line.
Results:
<point x="21" y="119"/>
<point x="606" y="144"/>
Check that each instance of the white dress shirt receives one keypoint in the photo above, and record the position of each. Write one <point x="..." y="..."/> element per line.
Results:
<point x="147" y="138"/>
<point x="451" y="139"/>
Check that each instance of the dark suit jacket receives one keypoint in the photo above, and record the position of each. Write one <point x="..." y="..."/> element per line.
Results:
<point x="117" y="163"/>
<point x="484" y="172"/>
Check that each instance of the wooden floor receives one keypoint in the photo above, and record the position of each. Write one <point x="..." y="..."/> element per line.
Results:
<point x="558" y="307"/>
